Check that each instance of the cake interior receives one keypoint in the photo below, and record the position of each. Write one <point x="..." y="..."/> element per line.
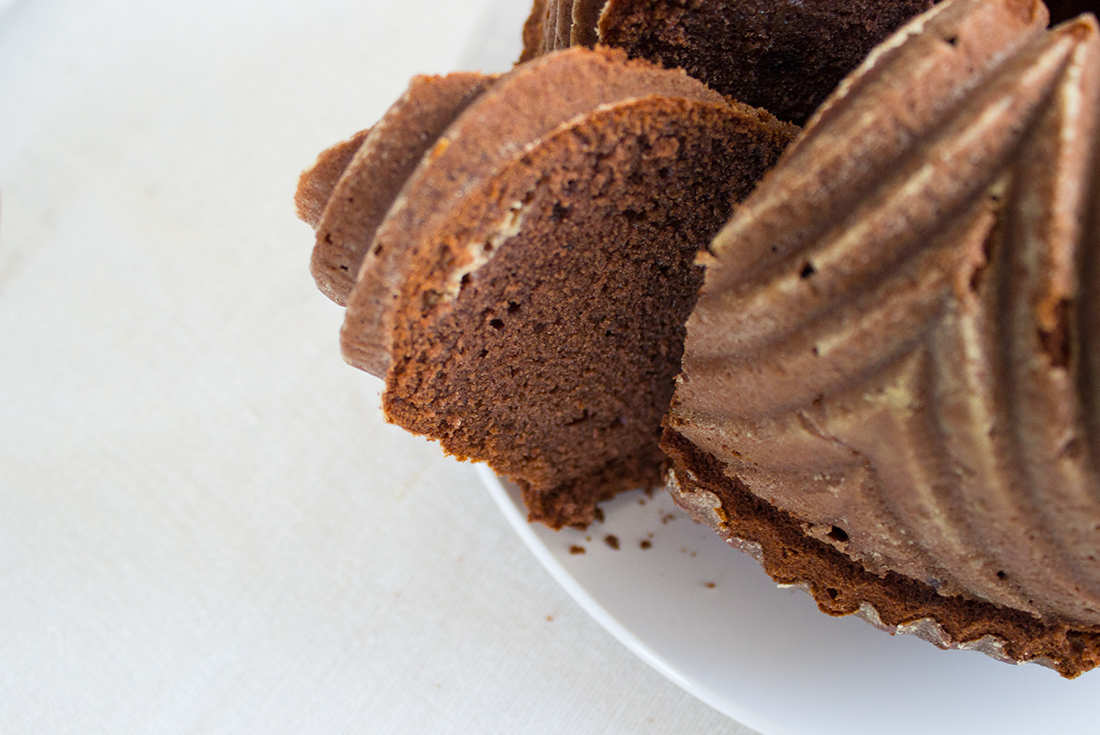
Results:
<point x="783" y="56"/>
<point x="555" y="359"/>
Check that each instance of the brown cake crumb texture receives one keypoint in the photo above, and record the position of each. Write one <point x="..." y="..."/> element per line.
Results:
<point x="785" y="56"/>
<point x="517" y="260"/>
<point x="555" y="362"/>
<point x="782" y="55"/>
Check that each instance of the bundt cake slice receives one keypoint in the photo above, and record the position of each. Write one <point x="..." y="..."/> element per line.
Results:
<point x="525" y="294"/>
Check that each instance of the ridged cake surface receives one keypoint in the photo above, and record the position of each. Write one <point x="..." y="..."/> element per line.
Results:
<point x="898" y="340"/>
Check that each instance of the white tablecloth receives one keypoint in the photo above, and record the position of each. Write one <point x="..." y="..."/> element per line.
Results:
<point x="205" y="525"/>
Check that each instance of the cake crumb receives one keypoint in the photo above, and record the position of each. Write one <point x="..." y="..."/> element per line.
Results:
<point x="668" y="517"/>
<point x="549" y="618"/>
<point x="645" y="544"/>
<point x="710" y="585"/>
<point x="612" y="540"/>
<point x="576" y="549"/>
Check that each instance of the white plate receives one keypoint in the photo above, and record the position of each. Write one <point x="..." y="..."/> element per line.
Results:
<point x="709" y="619"/>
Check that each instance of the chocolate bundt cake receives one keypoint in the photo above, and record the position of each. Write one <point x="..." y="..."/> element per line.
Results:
<point x="782" y="55"/>
<point x="525" y="292"/>
<point x="891" y="381"/>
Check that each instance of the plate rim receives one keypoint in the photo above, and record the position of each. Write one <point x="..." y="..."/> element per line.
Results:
<point x="508" y="499"/>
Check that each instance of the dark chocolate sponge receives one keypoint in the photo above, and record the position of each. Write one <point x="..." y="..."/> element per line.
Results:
<point x="525" y="294"/>
<point x="782" y="55"/>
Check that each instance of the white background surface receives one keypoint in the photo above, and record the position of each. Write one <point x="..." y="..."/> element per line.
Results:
<point x="205" y="527"/>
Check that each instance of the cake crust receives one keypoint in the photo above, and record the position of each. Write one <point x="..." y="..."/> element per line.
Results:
<point x="895" y="343"/>
<point x="554" y="360"/>
<point x="346" y="194"/>
<point x="840" y="586"/>
<point x="316" y="183"/>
